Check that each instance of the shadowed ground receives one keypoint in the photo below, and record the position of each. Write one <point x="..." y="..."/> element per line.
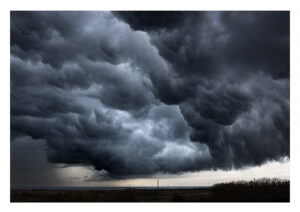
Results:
<point x="265" y="190"/>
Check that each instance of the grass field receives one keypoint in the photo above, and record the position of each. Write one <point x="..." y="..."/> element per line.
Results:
<point x="254" y="191"/>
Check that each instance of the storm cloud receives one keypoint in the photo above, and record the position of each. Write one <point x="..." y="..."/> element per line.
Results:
<point x="137" y="93"/>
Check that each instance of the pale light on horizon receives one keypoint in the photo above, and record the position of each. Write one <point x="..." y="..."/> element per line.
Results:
<point x="79" y="176"/>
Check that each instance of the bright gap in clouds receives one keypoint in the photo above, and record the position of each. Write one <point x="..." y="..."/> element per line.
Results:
<point x="50" y="175"/>
<point x="203" y="178"/>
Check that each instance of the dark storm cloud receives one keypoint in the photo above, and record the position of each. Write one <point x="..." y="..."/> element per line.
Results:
<point x="143" y="92"/>
<point x="223" y="106"/>
<point x="233" y="65"/>
<point x="203" y="41"/>
<point x="263" y="44"/>
<point x="156" y="20"/>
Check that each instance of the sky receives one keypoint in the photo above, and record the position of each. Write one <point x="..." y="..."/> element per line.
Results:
<point x="124" y="98"/>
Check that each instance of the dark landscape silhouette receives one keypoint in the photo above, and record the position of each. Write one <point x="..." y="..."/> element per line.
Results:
<point x="262" y="190"/>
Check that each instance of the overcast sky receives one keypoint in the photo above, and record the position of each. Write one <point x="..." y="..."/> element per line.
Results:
<point x="118" y="98"/>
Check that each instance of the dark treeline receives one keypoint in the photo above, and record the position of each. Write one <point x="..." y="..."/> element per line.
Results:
<point x="264" y="189"/>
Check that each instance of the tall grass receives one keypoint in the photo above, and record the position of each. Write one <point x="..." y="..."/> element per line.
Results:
<point x="264" y="189"/>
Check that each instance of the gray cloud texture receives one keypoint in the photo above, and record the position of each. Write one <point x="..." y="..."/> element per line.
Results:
<point x="136" y="93"/>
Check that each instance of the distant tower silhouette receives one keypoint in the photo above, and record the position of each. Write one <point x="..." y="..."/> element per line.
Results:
<point x="157" y="183"/>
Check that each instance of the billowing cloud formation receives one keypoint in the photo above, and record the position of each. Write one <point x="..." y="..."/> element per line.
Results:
<point x="136" y="93"/>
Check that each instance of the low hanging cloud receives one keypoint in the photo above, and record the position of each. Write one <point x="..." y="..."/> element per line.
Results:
<point x="137" y="93"/>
